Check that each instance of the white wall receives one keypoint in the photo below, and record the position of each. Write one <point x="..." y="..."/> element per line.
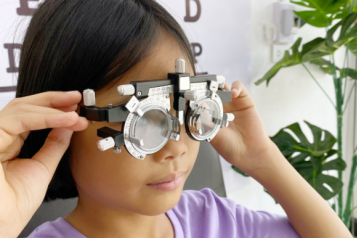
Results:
<point x="292" y="96"/>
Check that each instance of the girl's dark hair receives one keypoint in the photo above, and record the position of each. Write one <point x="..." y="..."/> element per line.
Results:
<point x="80" y="44"/>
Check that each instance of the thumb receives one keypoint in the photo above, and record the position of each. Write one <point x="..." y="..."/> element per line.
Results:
<point x="53" y="149"/>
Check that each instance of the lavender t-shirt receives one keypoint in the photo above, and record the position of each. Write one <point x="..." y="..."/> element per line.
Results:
<point x="200" y="214"/>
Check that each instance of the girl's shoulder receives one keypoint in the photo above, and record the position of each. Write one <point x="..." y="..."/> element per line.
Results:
<point x="56" y="229"/>
<point x="204" y="214"/>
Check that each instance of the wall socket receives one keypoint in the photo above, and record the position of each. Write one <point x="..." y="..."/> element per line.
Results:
<point x="278" y="52"/>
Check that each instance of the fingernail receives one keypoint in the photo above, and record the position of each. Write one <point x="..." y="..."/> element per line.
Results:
<point x="72" y="91"/>
<point x="234" y="90"/>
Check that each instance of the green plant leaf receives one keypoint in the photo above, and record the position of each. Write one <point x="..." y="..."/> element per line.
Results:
<point x="352" y="73"/>
<point x="337" y="164"/>
<point x="322" y="12"/>
<point x="334" y="183"/>
<point x="309" y="158"/>
<point x="352" y="46"/>
<point x="333" y="206"/>
<point x="348" y="31"/>
<point x="326" y="66"/>
<point x="317" y="48"/>
<point x="288" y="145"/>
<point x="289" y="59"/>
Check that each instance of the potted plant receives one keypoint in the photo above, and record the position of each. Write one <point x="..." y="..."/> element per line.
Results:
<point x="312" y="159"/>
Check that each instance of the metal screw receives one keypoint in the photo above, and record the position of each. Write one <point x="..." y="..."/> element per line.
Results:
<point x="116" y="150"/>
<point x="139" y="93"/>
<point x="92" y="122"/>
<point x="110" y="105"/>
<point x="141" y="157"/>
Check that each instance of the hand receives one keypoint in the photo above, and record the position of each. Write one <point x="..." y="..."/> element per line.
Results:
<point x="244" y="142"/>
<point x="23" y="182"/>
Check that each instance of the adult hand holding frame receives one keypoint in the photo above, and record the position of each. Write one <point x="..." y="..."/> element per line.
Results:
<point x="148" y="123"/>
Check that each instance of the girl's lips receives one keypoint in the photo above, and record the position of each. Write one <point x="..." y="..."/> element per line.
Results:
<point x="167" y="186"/>
<point x="168" y="183"/>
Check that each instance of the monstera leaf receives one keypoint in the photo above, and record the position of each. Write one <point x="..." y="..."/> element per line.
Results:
<point x="322" y="12"/>
<point x="326" y="66"/>
<point x="348" y="31"/>
<point x="317" y="48"/>
<point x="310" y="159"/>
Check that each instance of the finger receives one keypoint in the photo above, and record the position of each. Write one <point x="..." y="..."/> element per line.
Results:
<point x="17" y="141"/>
<point x="53" y="149"/>
<point x="226" y="86"/>
<point x="68" y="109"/>
<point x="241" y="99"/>
<point x="81" y="125"/>
<point x="12" y="151"/>
<point x="15" y="124"/>
<point x="52" y="99"/>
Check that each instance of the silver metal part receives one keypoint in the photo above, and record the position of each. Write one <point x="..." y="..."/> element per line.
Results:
<point x="126" y="89"/>
<point x="106" y="143"/>
<point x="174" y="136"/>
<point x="116" y="150"/>
<point x="176" y="128"/>
<point x="213" y="86"/>
<point x="160" y="102"/>
<point x="199" y="86"/>
<point x="184" y="83"/>
<point x="230" y="116"/>
<point x="180" y="66"/>
<point x="209" y="139"/>
<point x="89" y="97"/>
<point x="136" y="141"/>
<point x="221" y="81"/>
<point x="134" y="106"/>
<point x="179" y="115"/>
<point x="198" y="109"/>
<point x="191" y="95"/>
<point x="227" y="117"/>
<point x="214" y="95"/>
<point x="161" y="90"/>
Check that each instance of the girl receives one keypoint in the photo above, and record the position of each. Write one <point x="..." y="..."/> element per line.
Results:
<point x="101" y="44"/>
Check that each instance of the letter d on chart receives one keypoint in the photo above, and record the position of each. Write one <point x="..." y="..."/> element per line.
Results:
<point x="188" y="17"/>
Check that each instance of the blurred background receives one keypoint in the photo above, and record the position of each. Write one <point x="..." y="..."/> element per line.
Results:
<point x="246" y="40"/>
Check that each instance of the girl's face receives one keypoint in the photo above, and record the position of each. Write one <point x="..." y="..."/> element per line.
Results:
<point x="120" y="181"/>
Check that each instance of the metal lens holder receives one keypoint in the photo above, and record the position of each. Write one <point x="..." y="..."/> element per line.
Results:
<point x="203" y="97"/>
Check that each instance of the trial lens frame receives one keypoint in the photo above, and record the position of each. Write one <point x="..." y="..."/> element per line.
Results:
<point x="185" y="89"/>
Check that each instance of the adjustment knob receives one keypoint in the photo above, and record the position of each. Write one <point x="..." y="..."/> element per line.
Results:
<point x="89" y="97"/>
<point x="106" y="143"/>
<point x="230" y="116"/>
<point x="191" y="95"/>
<point x="126" y="89"/>
<point x="180" y="66"/>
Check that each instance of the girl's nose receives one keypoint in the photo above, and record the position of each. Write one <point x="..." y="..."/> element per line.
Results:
<point x="173" y="149"/>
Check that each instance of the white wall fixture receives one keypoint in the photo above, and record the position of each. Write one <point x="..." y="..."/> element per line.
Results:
<point x="286" y="22"/>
